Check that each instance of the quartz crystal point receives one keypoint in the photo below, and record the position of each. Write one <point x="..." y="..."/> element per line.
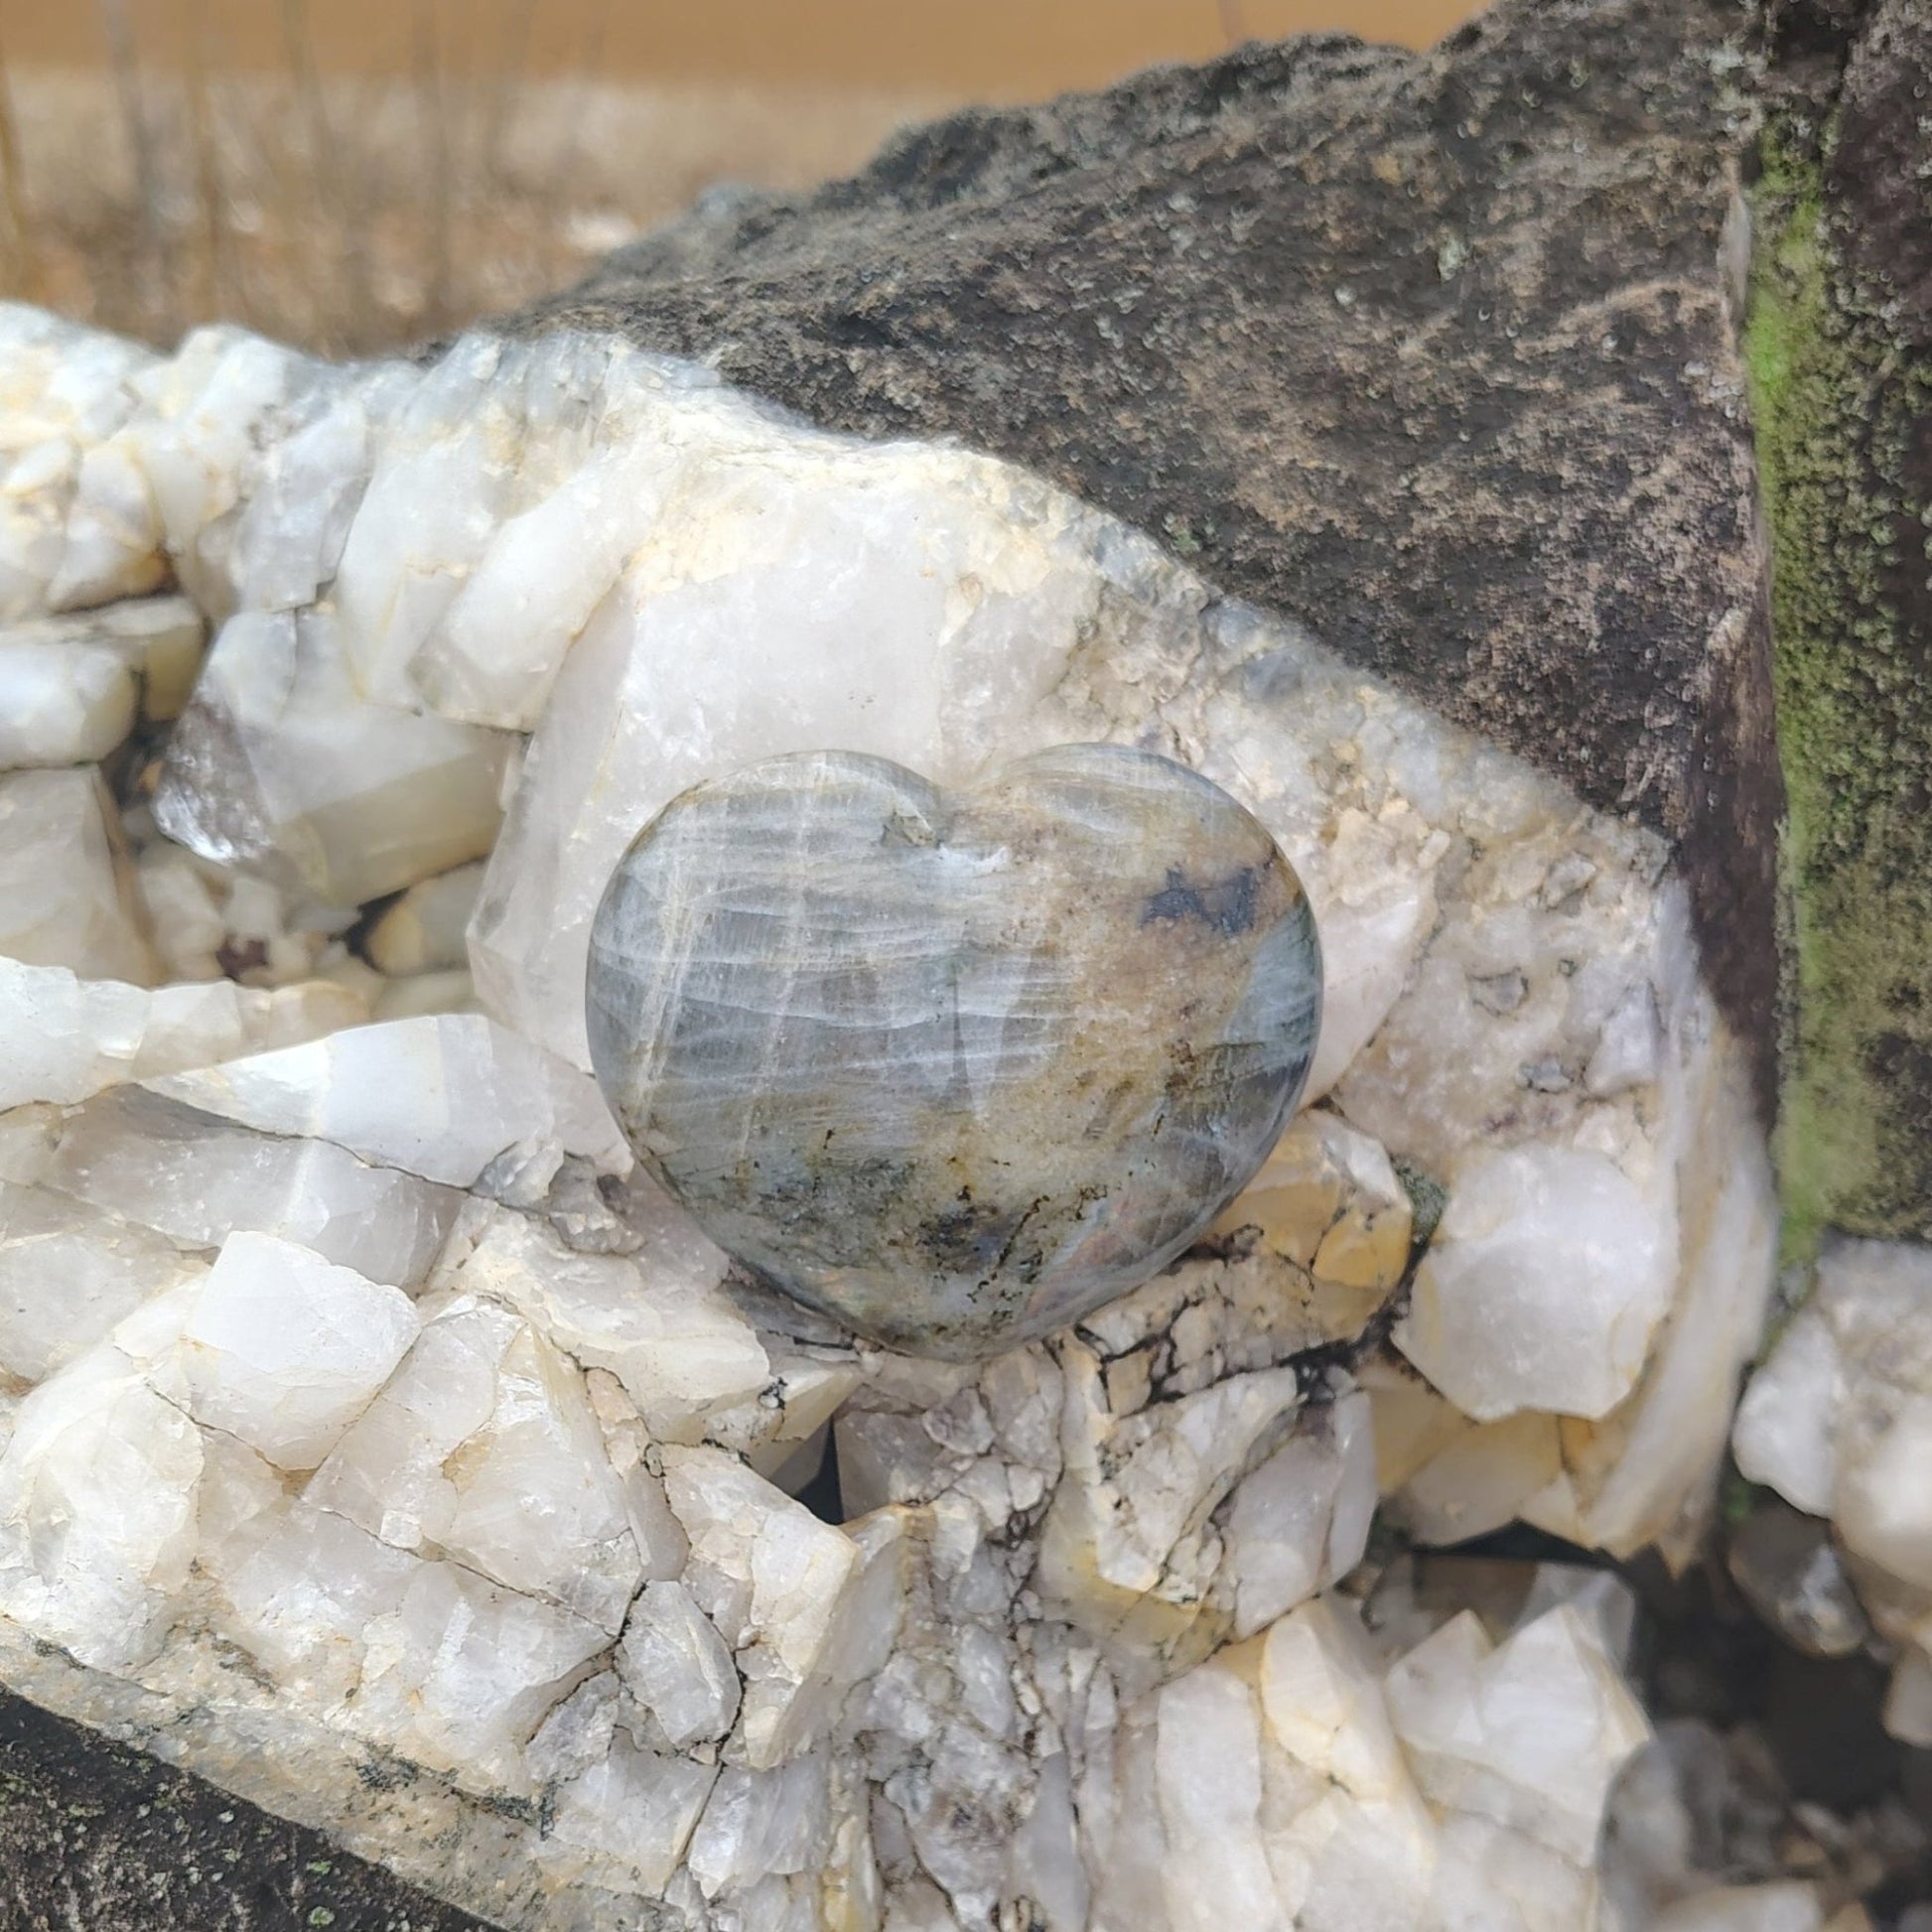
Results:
<point x="954" y="1068"/>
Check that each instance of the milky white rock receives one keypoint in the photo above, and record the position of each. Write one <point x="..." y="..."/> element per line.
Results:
<point x="61" y="704"/>
<point x="1124" y="1550"/>
<point x="300" y="1588"/>
<point x="187" y="909"/>
<point x="483" y="1448"/>
<point x="658" y="1321"/>
<point x="1301" y="1521"/>
<point x="763" y="1824"/>
<point x="1208" y="1781"/>
<point x="208" y="433"/>
<point x="707" y="598"/>
<point x="423" y="932"/>
<point x="1493" y="952"/>
<point x="464" y="578"/>
<point x="579" y="1733"/>
<point x="73" y="528"/>
<point x="283" y="1350"/>
<point x="1350" y="1839"/>
<point x="960" y="612"/>
<point x="1489" y="1879"/>
<point x="66" y="894"/>
<point x="439" y="1096"/>
<point x="1448" y="1479"/>
<point x="278" y="764"/>
<point x="808" y="1609"/>
<point x="1794" y="1907"/>
<point x="68" y="1274"/>
<point x="424" y="993"/>
<point x="1839" y="1418"/>
<point x="159" y="640"/>
<point x="71" y="1038"/>
<point x="459" y="1674"/>
<point x="1044" y="1866"/>
<point x="1648" y="1472"/>
<point x="1786" y="1431"/>
<point x="633" y="1807"/>
<point x="1541" y="1289"/>
<point x="678" y="1668"/>
<point x="1529" y="1734"/>
<point x="198" y="1178"/>
<point x="98" y="1522"/>
<point x="1265" y="1787"/>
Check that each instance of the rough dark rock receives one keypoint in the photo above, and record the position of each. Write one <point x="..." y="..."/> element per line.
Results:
<point x="96" y="1837"/>
<point x="1436" y="353"/>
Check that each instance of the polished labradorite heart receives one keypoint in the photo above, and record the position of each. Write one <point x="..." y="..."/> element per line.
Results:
<point x="954" y="1068"/>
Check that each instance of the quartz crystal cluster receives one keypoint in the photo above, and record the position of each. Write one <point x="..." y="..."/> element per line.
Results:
<point x="378" y="1438"/>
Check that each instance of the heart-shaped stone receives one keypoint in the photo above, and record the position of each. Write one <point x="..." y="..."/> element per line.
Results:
<point x="954" y="1068"/>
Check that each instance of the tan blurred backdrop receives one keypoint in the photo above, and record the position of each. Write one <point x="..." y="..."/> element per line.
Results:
<point x="995" y="50"/>
<point x="353" y="174"/>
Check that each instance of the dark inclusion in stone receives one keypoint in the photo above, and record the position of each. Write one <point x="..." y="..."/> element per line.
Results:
<point x="954" y="1068"/>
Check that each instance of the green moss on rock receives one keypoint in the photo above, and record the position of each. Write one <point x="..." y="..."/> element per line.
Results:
<point x="1837" y="402"/>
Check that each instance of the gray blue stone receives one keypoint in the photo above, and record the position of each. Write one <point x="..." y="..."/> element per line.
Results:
<point x="954" y="1068"/>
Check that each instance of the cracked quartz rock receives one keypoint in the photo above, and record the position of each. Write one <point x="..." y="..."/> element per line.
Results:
<point x="364" y="1403"/>
<point x="954" y="1068"/>
<point x="380" y="1439"/>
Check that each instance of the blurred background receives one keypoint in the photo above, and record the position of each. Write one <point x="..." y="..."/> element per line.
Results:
<point x="352" y="175"/>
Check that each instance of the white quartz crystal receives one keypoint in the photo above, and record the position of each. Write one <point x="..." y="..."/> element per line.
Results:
<point x="1786" y="1431"/>
<point x="374" y="1437"/>
<point x="439" y="1096"/>
<point x="1542" y="1289"/>
<point x="69" y="1273"/>
<point x="71" y="1038"/>
<point x="159" y="640"/>
<point x="656" y="1320"/>
<point x="677" y="1667"/>
<point x="1793" y="1907"/>
<point x="97" y="1525"/>
<point x="1529" y="1734"/>
<point x="483" y="1448"/>
<point x="156" y="643"/>
<point x="459" y="1672"/>
<point x="279" y="765"/>
<point x="61" y="704"/>
<point x="66" y="891"/>
<point x="380" y="541"/>
<point x="198" y="1178"/>
<point x="424" y="930"/>
<point x="1839" y="1421"/>
<point x="76" y="527"/>
<point x="1835" y="1417"/>
<point x="283" y="1350"/>
<point x="1315" y="1497"/>
<point x="807" y="1610"/>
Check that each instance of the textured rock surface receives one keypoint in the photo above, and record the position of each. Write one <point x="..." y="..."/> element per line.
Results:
<point x="376" y="1439"/>
<point x="1841" y="360"/>
<point x="106" y="1835"/>
<point x="1436" y="353"/>
<point x="954" y="1068"/>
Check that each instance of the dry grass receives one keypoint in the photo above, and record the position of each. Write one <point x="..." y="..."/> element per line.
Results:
<point x="352" y="215"/>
